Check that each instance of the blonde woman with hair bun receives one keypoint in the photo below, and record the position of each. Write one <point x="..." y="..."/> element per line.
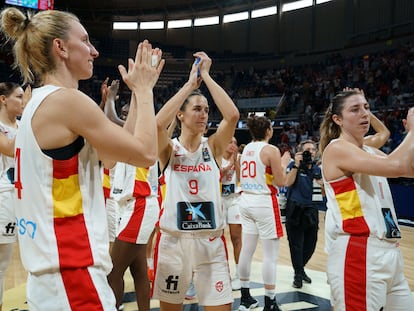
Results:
<point x="63" y="134"/>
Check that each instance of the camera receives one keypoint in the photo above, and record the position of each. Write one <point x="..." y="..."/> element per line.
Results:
<point x="306" y="161"/>
<point x="306" y="157"/>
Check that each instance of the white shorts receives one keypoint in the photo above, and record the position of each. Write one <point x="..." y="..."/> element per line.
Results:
<point x="71" y="289"/>
<point x="8" y="228"/>
<point x="367" y="274"/>
<point x="137" y="219"/>
<point x="260" y="215"/>
<point x="231" y="208"/>
<point x="203" y="260"/>
<point x="112" y="214"/>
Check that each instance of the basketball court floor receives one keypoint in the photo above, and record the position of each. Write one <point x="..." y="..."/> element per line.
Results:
<point x="314" y="296"/>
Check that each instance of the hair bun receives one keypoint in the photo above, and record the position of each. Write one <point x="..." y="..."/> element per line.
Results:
<point x="13" y="22"/>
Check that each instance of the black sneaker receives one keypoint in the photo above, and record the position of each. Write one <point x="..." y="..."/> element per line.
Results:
<point x="247" y="303"/>
<point x="306" y="278"/>
<point x="270" y="304"/>
<point x="297" y="281"/>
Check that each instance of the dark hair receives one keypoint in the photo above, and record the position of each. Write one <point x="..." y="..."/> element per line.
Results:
<point x="329" y="129"/>
<point x="196" y="92"/>
<point x="7" y="88"/>
<point x="257" y="126"/>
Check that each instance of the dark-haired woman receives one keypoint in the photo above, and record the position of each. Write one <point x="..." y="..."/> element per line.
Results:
<point x="365" y="265"/>
<point x="11" y="106"/>
<point x="192" y="221"/>
<point x="262" y="170"/>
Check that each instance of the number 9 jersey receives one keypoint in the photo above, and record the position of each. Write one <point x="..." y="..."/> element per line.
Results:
<point x="192" y="204"/>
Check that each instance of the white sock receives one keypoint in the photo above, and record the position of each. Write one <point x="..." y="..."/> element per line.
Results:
<point x="236" y="275"/>
<point x="271" y="293"/>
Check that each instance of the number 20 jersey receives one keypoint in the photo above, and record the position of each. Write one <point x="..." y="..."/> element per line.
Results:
<point x="255" y="177"/>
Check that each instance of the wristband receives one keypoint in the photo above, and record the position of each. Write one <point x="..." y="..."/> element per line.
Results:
<point x="294" y="166"/>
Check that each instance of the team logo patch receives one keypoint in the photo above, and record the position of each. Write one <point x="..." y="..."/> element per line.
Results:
<point x="227" y="189"/>
<point x="195" y="215"/>
<point x="219" y="286"/>
<point x="392" y="229"/>
<point x="206" y="155"/>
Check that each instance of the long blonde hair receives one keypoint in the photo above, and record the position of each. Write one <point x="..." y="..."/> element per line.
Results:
<point x="33" y="36"/>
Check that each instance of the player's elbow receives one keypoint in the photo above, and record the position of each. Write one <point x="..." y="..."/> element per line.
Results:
<point x="234" y="116"/>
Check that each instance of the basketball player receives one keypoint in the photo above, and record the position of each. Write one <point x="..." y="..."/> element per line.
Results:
<point x="60" y="212"/>
<point x="365" y="265"/>
<point x="11" y="106"/>
<point x="191" y="244"/>
<point x="262" y="169"/>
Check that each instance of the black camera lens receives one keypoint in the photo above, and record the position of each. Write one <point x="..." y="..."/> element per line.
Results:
<point x="306" y="157"/>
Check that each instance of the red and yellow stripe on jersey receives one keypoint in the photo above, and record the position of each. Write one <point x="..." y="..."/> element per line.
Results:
<point x="269" y="180"/>
<point x="106" y="183"/>
<point x="162" y="188"/>
<point x="350" y="208"/>
<point x="141" y="185"/>
<point x="74" y="249"/>
<point x="275" y="203"/>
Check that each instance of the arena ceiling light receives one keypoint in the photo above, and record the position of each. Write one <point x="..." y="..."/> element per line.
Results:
<point x="179" y="23"/>
<point x="235" y="17"/>
<point x="152" y="25"/>
<point x="206" y="21"/>
<point x="264" y="12"/>
<point x="296" y="5"/>
<point x="124" y="25"/>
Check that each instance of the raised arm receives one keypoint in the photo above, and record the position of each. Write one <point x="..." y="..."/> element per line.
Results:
<point x="381" y="136"/>
<point x="225" y="131"/>
<point x="109" y="107"/>
<point x="342" y="158"/>
<point x="167" y="113"/>
<point x="111" y="141"/>
<point x="104" y="92"/>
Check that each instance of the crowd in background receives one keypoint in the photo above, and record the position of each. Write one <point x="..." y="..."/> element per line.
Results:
<point x="387" y="78"/>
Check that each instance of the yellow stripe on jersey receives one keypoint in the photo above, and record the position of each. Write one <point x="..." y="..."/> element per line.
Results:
<point x="67" y="198"/>
<point x="350" y="207"/>
<point x="141" y="174"/>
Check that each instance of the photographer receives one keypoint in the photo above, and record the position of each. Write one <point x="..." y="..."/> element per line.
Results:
<point x="301" y="213"/>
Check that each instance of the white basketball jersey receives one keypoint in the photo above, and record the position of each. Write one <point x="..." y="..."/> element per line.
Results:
<point x="360" y="205"/>
<point x="229" y="184"/>
<point x="131" y="182"/>
<point x="60" y="210"/>
<point x="192" y="201"/>
<point x="255" y="177"/>
<point x="7" y="163"/>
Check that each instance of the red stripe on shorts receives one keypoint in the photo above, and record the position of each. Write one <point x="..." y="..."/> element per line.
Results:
<point x="81" y="291"/>
<point x="355" y="271"/>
